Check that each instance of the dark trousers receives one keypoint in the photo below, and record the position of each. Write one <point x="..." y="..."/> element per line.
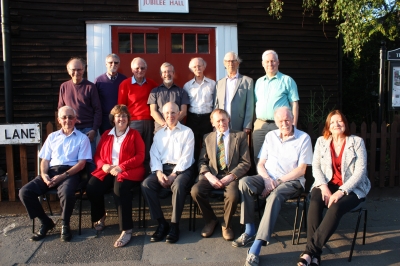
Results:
<point x="320" y="229"/>
<point x="145" y="129"/>
<point x="200" y="193"/>
<point x="260" y="129"/>
<point x="95" y="191"/>
<point x="29" y="194"/>
<point x="179" y="188"/>
<point x="200" y="125"/>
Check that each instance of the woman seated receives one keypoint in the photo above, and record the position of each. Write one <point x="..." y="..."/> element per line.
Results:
<point x="119" y="163"/>
<point x="341" y="183"/>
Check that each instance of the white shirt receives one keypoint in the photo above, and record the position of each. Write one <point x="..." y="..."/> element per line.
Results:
<point x="229" y="91"/>
<point x="201" y="96"/>
<point x="117" y="145"/>
<point x="226" y="144"/>
<point x="174" y="146"/>
<point x="284" y="156"/>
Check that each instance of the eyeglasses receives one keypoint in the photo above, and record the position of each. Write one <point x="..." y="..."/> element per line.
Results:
<point x="64" y="117"/>
<point x="115" y="63"/>
<point x="76" y="70"/>
<point x="121" y="116"/>
<point x="139" y="68"/>
<point x="230" y="61"/>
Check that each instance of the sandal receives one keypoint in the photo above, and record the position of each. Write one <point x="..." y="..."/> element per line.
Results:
<point x="303" y="262"/>
<point x="315" y="261"/>
<point x="100" y="224"/>
<point x="123" y="239"/>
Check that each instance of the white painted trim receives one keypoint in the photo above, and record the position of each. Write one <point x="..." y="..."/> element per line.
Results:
<point x="98" y="36"/>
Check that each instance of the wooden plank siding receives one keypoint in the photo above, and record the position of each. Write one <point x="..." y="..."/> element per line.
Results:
<point x="46" y="33"/>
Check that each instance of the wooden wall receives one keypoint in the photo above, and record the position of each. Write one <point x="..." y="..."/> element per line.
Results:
<point x="46" y="33"/>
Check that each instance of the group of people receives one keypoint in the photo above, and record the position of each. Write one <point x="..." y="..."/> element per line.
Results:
<point x="145" y="141"/>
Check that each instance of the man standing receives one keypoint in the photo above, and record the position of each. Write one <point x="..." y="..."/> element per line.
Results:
<point x="284" y="157"/>
<point x="201" y="91"/>
<point x="107" y="86"/>
<point x="63" y="155"/>
<point x="235" y="95"/>
<point x="224" y="159"/>
<point x="171" y="163"/>
<point x="83" y="97"/>
<point x="134" y="93"/>
<point x="272" y="91"/>
<point x="167" y="92"/>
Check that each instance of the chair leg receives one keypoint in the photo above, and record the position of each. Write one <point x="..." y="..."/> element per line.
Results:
<point x="144" y="213"/>
<point x="355" y="234"/>
<point x="190" y="213"/>
<point x="33" y="225"/>
<point x="295" y="221"/>
<point x="140" y="207"/>
<point x="48" y="204"/>
<point x="303" y="213"/>
<point x="80" y="211"/>
<point x="194" y="216"/>
<point x="365" y="225"/>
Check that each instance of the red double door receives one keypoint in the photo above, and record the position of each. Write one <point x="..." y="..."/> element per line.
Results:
<point x="176" y="45"/>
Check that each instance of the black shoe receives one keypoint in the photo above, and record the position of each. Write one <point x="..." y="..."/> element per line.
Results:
<point x="66" y="233"/>
<point x="173" y="234"/>
<point x="161" y="232"/>
<point x="44" y="228"/>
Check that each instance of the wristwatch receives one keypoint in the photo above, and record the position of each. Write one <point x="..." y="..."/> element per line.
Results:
<point x="66" y="174"/>
<point x="279" y="181"/>
<point x="344" y="192"/>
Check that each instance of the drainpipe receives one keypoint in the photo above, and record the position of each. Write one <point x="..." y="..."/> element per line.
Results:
<point x="5" y="29"/>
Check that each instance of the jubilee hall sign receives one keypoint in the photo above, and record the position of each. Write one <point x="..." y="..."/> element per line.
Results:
<point x="164" y="6"/>
<point x="12" y="134"/>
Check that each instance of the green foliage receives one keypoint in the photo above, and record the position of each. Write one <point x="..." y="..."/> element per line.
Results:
<point x="358" y="20"/>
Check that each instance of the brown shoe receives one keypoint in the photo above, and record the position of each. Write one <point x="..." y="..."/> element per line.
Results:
<point x="227" y="233"/>
<point x="208" y="229"/>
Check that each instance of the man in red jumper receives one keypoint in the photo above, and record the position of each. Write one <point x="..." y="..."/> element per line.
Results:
<point x="134" y="93"/>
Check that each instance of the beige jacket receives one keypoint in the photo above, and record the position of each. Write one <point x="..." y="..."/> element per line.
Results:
<point x="354" y="165"/>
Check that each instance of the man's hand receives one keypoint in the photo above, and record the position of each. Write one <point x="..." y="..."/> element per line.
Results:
<point x="214" y="181"/>
<point x="162" y="179"/>
<point x="326" y="194"/>
<point x="247" y="130"/>
<point x="269" y="186"/>
<point x="107" y="168"/>
<point x="171" y="178"/>
<point x="46" y="179"/>
<point x="55" y="180"/>
<point x="115" y="170"/>
<point x="226" y="180"/>
<point x="335" y="197"/>
<point x="91" y="134"/>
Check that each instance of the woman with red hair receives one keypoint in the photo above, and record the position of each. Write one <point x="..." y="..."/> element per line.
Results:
<point x="341" y="183"/>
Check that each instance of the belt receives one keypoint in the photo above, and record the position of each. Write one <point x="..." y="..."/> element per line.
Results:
<point x="199" y="115"/>
<point x="268" y="121"/>
<point x="170" y="164"/>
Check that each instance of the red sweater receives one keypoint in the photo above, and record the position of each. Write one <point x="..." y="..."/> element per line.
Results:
<point x="135" y="97"/>
<point x="131" y="156"/>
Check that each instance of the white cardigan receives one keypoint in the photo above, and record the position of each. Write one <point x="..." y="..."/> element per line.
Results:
<point x="354" y="165"/>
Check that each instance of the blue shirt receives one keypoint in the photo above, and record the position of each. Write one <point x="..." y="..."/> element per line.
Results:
<point x="60" y="149"/>
<point x="284" y="156"/>
<point x="271" y="93"/>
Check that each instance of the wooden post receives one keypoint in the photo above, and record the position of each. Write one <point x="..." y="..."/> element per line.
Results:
<point x="10" y="172"/>
<point x="393" y="146"/>
<point x="382" y="159"/>
<point x="372" y="168"/>
<point x="23" y="162"/>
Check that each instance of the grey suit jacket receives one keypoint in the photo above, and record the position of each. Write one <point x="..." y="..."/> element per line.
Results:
<point x="354" y="165"/>
<point x="239" y="155"/>
<point x="242" y="104"/>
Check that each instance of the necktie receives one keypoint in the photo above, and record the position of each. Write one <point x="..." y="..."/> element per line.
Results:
<point x="221" y="153"/>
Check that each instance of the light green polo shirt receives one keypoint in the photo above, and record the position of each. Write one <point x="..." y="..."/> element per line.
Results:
<point x="271" y="93"/>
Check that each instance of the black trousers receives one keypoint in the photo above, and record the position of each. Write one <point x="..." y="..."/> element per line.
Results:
<point x="29" y="194"/>
<point x="320" y="229"/>
<point x="95" y="191"/>
<point x="200" y="125"/>
<point x="182" y="184"/>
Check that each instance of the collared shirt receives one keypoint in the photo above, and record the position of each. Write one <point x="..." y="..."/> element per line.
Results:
<point x="60" y="149"/>
<point x="271" y="93"/>
<point x="284" y="156"/>
<point x="117" y="145"/>
<point x="226" y="144"/>
<point x="174" y="146"/>
<point x="230" y="90"/>
<point x="201" y="96"/>
<point x="135" y="81"/>
<point x="161" y="95"/>
<point x="112" y="77"/>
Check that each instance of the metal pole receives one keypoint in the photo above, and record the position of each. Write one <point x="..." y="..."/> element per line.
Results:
<point x="381" y="83"/>
<point x="5" y="28"/>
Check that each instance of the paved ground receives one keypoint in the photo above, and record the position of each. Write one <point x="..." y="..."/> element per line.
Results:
<point x="382" y="240"/>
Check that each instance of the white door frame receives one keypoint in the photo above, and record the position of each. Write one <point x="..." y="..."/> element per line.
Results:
<point x="98" y="41"/>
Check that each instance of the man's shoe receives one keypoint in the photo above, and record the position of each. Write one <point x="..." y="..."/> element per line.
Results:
<point x="66" y="233"/>
<point x="160" y="233"/>
<point x="243" y="240"/>
<point x="208" y="228"/>
<point x="44" y="229"/>
<point x="251" y="259"/>
<point x="227" y="233"/>
<point x="173" y="234"/>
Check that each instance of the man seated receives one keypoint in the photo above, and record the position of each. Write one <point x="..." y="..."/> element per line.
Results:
<point x="171" y="159"/>
<point x="283" y="160"/>
<point x="224" y="159"/>
<point x="63" y="155"/>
